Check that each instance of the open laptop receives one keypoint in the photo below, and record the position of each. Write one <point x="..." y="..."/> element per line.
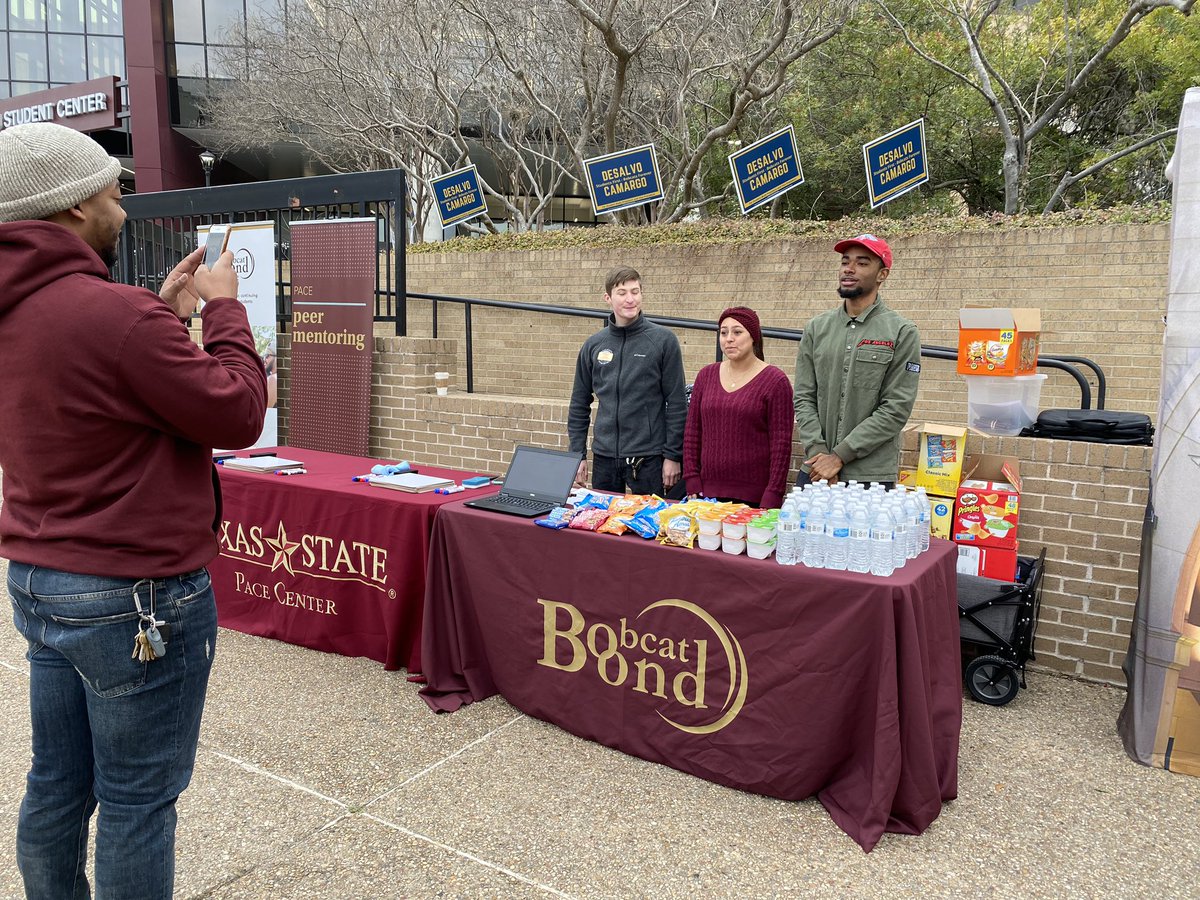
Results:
<point x="537" y="481"/>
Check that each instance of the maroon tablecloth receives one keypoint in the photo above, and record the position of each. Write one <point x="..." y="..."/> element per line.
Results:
<point x="324" y="562"/>
<point x="779" y="680"/>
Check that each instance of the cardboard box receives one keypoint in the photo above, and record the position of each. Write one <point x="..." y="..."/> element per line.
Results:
<point x="941" y="509"/>
<point x="940" y="453"/>
<point x="998" y="341"/>
<point x="941" y="515"/>
<point x="987" y="562"/>
<point x="988" y="504"/>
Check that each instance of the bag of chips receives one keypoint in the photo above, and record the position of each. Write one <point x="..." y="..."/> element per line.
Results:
<point x="559" y="517"/>
<point x="645" y="522"/>
<point x="589" y="519"/>
<point x="621" y="509"/>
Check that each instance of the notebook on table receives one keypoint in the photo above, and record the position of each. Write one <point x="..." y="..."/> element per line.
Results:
<point x="262" y="464"/>
<point x="412" y="482"/>
<point x="537" y="481"/>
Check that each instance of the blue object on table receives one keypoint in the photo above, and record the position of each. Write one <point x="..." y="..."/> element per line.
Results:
<point x="397" y="469"/>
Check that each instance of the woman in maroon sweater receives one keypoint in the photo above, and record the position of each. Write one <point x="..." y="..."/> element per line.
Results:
<point x="738" y="440"/>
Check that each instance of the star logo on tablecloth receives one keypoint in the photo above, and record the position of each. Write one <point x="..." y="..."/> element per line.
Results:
<point x="283" y="550"/>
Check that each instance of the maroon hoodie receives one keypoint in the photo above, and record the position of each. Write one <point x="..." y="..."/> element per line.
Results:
<point x="109" y="411"/>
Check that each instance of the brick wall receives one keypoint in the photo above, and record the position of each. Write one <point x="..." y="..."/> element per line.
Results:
<point x="1101" y="290"/>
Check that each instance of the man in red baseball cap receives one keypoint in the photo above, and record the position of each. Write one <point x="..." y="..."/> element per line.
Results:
<point x="856" y="374"/>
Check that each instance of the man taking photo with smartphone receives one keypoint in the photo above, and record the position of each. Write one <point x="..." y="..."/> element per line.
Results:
<point x="110" y="507"/>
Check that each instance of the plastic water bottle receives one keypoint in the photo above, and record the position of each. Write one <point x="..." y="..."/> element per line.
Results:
<point x="859" y="555"/>
<point x="912" y="515"/>
<point x="882" y="563"/>
<point x="785" y="536"/>
<point x="803" y="507"/>
<point x="837" y="538"/>
<point x="924" y="522"/>
<point x="814" y="535"/>
<point x="899" y="532"/>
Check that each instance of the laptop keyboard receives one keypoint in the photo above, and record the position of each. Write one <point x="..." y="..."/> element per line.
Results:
<point x="521" y="502"/>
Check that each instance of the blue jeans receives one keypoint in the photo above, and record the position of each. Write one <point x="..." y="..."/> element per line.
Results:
<point x="108" y="729"/>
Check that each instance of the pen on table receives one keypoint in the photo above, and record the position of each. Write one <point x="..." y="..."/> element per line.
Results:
<point x="290" y="472"/>
<point x="449" y="490"/>
<point x="365" y="478"/>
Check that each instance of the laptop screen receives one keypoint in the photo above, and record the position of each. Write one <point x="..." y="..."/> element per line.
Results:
<point x="541" y="474"/>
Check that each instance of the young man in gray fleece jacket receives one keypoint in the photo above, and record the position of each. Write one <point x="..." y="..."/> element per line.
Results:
<point x="634" y="368"/>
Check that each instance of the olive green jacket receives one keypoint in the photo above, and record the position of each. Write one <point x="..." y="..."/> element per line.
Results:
<point x="856" y="382"/>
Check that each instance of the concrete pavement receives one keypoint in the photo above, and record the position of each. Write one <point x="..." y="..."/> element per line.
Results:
<point x="320" y="776"/>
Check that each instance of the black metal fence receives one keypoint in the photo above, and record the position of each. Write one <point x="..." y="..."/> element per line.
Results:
<point x="161" y="228"/>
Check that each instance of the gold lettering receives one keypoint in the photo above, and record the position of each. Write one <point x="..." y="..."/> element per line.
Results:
<point x="343" y="559"/>
<point x="642" y="665"/>
<point x="697" y="679"/>
<point x="551" y="633"/>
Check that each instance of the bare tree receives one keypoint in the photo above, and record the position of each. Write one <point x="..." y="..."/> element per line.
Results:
<point x="1022" y="117"/>
<point x="527" y="88"/>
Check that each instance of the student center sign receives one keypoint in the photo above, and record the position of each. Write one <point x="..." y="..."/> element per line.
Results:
<point x="86" y="106"/>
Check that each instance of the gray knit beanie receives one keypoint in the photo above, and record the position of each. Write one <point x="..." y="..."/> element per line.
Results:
<point x="46" y="168"/>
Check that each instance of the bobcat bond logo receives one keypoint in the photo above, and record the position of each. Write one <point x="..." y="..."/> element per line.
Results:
<point x="661" y="654"/>
<point x="243" y="263"/>
<point x="279" y="556"/>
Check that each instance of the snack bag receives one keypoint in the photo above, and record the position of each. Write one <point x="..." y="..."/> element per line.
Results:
<point x="619" y="510"/>
<point x="589" y="519"/>
<point x="559" y="517"/>
<point x="594" y="501"/>
<point x="677" y="528"/>
<point x="645" y="522"/>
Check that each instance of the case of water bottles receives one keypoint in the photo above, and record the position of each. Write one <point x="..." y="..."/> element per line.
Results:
<point x="852" y="527"/>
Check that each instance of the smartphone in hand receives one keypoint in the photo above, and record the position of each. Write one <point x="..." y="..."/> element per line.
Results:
<point x="215" y="244"/>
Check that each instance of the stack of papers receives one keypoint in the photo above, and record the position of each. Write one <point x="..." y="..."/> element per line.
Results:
<point x="262" y="463"/>
<point x="412" y="482"/>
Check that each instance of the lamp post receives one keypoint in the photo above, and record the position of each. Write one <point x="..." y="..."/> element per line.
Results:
<point x="207" y="160"/>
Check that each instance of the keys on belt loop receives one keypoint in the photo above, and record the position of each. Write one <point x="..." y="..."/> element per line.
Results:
<point x="634" y="463"/>
<point x="148" y="644"/>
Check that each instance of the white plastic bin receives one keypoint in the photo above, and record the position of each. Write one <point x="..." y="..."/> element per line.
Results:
<point x="1003" y="405"/>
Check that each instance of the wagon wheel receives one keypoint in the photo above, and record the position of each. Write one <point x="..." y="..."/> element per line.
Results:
<point x="992" y="680"/>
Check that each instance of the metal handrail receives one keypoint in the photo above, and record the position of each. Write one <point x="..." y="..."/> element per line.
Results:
<point x="1062" y="363"/>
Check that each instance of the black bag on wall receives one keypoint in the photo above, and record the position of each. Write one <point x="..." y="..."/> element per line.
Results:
<point x="1099" y="425"/>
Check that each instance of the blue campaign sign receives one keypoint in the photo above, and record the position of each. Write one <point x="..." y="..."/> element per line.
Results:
<point x="459" y="196"/>
<point x="621" y="180"/>
<point x="896" y="163"/>
<point x="766" y="169"/>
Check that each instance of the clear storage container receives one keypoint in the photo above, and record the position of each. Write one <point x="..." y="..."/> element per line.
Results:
<point x="1003" y="405"/>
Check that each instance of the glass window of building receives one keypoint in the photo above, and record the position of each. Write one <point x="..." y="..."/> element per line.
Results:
<point x="104" y="17"/>
<point x="3" y="58"/>
<point x="27" y="15"/>
<point x="189" y="61"/>
<point x="106" y="56"/>
<point x="265" y="11"/>
<point x="187" y="21"/>
<point x="65" y="16"/>
<point x="28" y="56"/>
<point x="222" y="18"/>
<point x="227" y="62"/>
<point x="68" y="59"/>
